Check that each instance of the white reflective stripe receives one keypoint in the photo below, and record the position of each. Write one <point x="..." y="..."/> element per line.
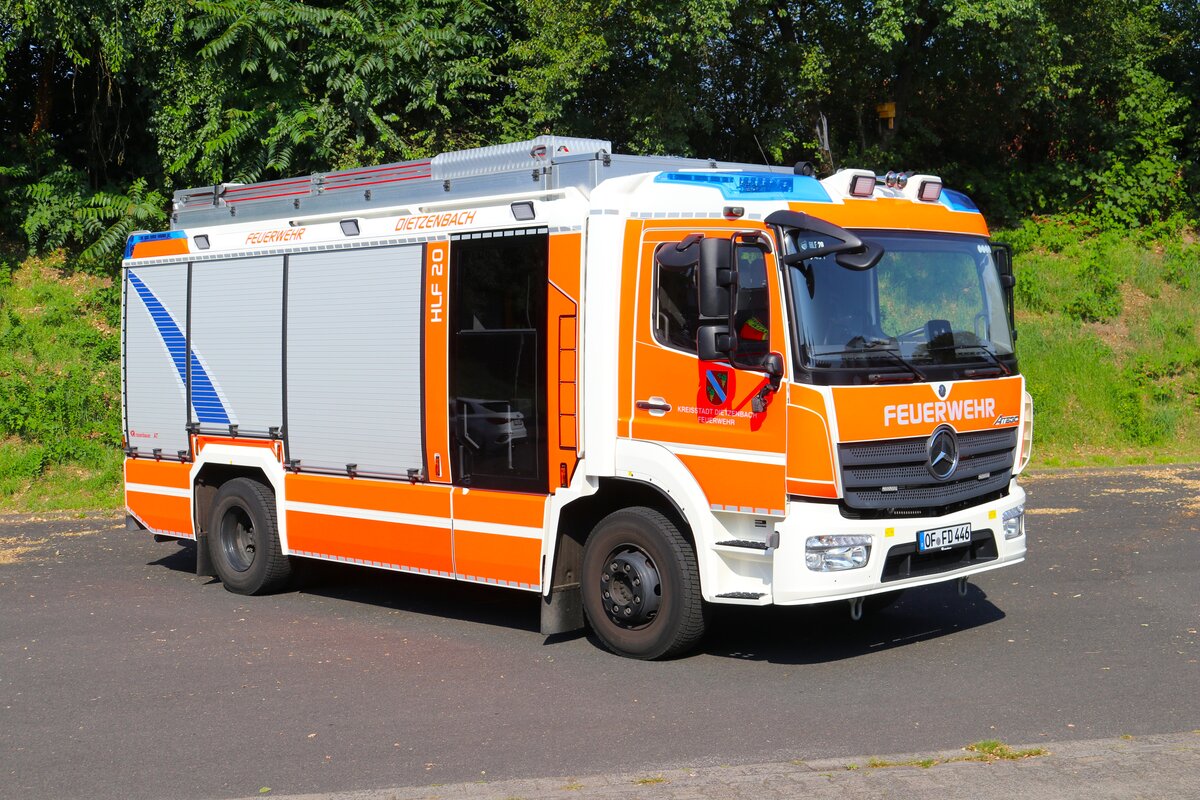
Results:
<point x="728" y="454"/>
<point x="473" y="526"/>
<point x="150" y="488"/>
<point x="369" y="513"/>
<point x="520" y="531"/>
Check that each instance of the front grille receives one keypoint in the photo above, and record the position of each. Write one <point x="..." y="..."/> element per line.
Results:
<point x="889" y="476"/>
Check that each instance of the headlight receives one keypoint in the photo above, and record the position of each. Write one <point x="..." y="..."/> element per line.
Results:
<point x="834" y="553"/>
<point x="1014" y="522"/>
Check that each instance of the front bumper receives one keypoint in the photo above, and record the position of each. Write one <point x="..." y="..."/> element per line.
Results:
<point x="793" y="583"/>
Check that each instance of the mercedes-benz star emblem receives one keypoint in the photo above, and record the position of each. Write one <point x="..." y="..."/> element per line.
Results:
<point x="943" y="453"/>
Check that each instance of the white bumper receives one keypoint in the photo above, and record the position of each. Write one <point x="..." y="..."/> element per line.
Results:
<point x="793" y="583"/>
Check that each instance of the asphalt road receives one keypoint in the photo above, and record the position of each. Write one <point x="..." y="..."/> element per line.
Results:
<point x="123" y="675"/>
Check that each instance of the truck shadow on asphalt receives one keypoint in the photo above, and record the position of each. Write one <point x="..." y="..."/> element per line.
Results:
<point x="785" y="635"/>
<point x="825" y="633"/>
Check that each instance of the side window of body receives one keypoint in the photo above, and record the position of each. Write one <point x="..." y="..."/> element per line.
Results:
<point x="676" y="308"/>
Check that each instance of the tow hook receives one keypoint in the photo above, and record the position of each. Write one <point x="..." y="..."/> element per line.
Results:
<point x="856" y="608"/>
<point x="962" y="587"/>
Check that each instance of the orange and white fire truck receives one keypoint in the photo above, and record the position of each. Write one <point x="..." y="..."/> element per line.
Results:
<point x="635" y="385"/>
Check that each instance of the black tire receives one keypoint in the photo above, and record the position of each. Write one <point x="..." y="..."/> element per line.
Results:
<point x="243" y="539"/>
<point x="665" y="621"/>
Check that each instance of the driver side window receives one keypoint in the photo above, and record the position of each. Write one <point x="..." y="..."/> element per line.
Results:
<point x="676" y="304"/>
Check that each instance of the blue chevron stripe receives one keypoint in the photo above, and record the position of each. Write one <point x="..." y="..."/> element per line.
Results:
<point x="205" y="400"/>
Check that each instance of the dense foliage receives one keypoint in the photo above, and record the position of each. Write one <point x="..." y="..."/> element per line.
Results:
<point x="1075" y="123"/>
<point x="1085" y="108"/>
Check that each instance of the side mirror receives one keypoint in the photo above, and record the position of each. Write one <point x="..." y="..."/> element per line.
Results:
<point x="714" y="277"/>
<point x="848" y="249"/>
<point x="1003" y="256"/>
<point x="713" y="342"/>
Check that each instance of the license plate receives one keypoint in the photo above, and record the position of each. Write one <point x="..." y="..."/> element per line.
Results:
<point x="944" y="538"/>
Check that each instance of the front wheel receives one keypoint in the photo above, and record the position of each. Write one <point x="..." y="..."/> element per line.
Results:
<point x="641" y="586"/>
<point x="243" y="539"/>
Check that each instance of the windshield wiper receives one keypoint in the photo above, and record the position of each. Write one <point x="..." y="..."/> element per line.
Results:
<point x="971" y="373"/>
<point x="877" y="377"/>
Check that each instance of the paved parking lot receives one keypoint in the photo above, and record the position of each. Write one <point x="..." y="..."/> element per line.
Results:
<point x="123" y="675"/>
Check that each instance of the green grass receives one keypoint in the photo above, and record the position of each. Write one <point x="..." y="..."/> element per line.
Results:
<point x="1110" y="345"/>
<point x="986" y="751"/>
<point x="59" y="397"/>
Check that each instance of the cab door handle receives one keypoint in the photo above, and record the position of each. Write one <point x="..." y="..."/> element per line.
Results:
<point x="657" y="406"/>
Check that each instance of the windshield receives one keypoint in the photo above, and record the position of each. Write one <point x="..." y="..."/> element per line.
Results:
<point x="932" y="304"/>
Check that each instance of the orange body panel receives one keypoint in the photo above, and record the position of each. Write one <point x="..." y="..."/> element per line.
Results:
<point x="371" y="495"/>
<point x="739" y="485"/>
<point x="628" y="312"/>
<point x="388" y="543"/>
<point x="810" y="444"/>
<point x="494" y="557"/>
<point x="158" y="473"/>
<point x="891" y="213"/>
<point x="162" y="513"/>
<point x="437" y="368"/>
<point x="865" y="413"/>
<point x="504" y="508"/>
<point x="561" y="357"/>
<point x="343" y="535"/>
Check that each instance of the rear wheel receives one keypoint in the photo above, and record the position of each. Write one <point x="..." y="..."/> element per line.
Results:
<point x="243" y="539"/>
<point x="641" y="586"/>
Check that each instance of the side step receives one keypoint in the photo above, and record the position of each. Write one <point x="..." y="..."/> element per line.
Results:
<point x="742" y="595"/>
<point x="745" y="543"/>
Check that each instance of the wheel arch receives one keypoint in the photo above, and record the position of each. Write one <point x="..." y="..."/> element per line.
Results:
<point x="216" y="465"/>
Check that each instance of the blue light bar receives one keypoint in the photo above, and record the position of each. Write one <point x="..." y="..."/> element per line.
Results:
<point x="957" y="201"/>
<point x="752" y="185"/>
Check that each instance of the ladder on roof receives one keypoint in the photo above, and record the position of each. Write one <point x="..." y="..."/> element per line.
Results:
<point x="543" y="163"/>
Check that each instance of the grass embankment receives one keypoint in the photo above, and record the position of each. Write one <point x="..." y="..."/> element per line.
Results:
<point x="59" y="388"/>
<point x="1110" y="344"/>
<point x="1109" y="341"/>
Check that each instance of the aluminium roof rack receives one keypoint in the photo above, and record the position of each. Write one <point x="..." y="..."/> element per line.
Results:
<point x="546" y="162"/>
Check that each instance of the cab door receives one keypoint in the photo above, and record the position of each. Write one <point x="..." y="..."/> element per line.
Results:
<point x="723" y="422"/>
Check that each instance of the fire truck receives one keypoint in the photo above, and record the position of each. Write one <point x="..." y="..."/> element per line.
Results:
<point x="637" y="386"/>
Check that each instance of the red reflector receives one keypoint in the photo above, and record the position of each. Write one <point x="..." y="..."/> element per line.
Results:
<point x="562" y="475"/>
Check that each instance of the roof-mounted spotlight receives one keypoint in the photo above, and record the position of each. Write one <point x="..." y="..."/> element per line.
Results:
<point x="522" y="212"/>
<point x="925" y="188"/>
<point x="350" y="227"/>
<point x="930" y="191"/>
<point x="852" y="182"/>
<point x="862" y="186"/>
<point x="201" y="240"/>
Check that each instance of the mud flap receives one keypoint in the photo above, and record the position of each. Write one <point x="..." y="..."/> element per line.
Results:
<point x="562" y="610"/>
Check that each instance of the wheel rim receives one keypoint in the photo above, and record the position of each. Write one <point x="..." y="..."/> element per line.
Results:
<point x="630" y="587"/>
<point x="237" y="538"/>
